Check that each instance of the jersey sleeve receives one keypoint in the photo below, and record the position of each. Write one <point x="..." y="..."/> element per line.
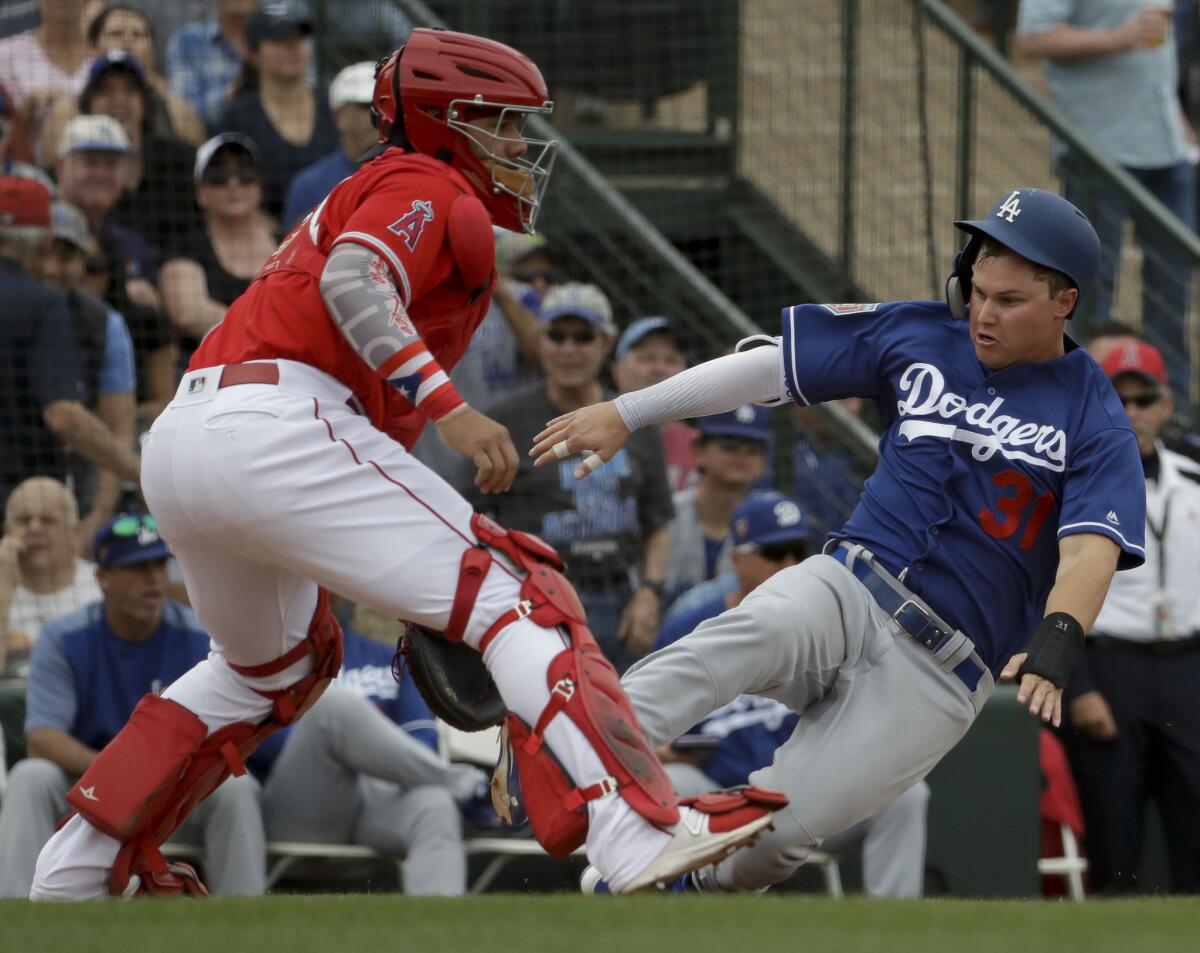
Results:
<point x="831" y="351"/>
<point x="117" y="373"/>
<point x="50" y="697"/>
<point x="404" y="220"/>
<point x="1105" y="493"/>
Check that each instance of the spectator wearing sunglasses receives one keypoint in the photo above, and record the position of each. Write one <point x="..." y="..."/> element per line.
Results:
<point x="769" y="532"/>
<point x="731" y="457"/>
<point x="89" y="669"/>
<point x="1131" y="714"/>
<point x="207" y="269"/>
<point x="612" y="531"/>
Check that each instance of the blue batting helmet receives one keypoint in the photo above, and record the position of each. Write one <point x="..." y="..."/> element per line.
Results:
<point x="1043" y="227"/>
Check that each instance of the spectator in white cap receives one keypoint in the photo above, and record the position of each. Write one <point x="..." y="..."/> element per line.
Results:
<point x="650" y="351"/>
<point x="92" y="167"/>
<point x="350" y="104"/>
<point x="612" y="532"/>
<point x="206" y="269"/>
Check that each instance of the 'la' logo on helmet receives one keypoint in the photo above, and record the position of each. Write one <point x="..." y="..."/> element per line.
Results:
<point x="1011" y="207"/>
<point x="410" y="225"/>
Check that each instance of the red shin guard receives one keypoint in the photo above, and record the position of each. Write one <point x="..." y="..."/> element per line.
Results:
<point x="146" y="781"/>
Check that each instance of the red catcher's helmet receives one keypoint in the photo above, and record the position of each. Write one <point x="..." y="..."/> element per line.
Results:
<point x="442" y="81"/>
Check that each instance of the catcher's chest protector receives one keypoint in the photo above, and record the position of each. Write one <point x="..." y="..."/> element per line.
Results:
<point x="585" y="688"/>
<point x="146" y="781"/>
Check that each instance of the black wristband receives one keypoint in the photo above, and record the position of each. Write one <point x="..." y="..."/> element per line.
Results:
<point x="653" y="585"/>
<point x="1053" y="648"/>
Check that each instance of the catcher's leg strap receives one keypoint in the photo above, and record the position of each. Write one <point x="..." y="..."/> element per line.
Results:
<point x="146" y="781"/>
<point x="583" y="684"/>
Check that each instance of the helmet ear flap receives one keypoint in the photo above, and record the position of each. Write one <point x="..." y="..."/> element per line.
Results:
<point x="958" y="285"/>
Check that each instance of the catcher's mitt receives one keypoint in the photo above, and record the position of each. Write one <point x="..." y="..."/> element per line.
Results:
<point x="451" y="678"/>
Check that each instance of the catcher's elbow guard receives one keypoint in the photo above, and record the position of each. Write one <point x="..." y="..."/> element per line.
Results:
<point x="1053" y="648"/>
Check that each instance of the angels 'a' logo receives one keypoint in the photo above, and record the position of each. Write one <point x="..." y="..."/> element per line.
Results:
<point x="410" y="225"/>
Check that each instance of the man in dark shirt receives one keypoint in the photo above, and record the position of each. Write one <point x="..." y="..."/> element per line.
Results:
<point x="41" y="386"/>
<point x="613" y="531"/>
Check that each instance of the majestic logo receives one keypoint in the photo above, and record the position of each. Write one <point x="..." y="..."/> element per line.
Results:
<point x="1011" y="207"/>
<point x="89" y="793"/>
<point x="925" y="389"/>
<point x="410" y="225"/>
<point x="849" y="308"/>
<point x="1111" y="516"/>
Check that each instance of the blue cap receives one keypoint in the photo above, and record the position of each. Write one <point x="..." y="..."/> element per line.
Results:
<point x="578" y="300"/>
<point x="1044" y="228"/>
<point x="749" y="421"/>
<point x="765" y="519"/>
<point x="113" y="59"/>
<point x="633" y="335"/>
<point x="128" y="539"/>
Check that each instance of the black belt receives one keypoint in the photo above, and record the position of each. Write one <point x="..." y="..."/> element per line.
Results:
<point x="918" y="623"/>
<point x="1155" y="647"/>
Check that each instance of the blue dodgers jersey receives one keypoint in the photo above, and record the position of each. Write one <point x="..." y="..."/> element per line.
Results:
<point x="980" y="472"/>
<point x="112" y="675"/>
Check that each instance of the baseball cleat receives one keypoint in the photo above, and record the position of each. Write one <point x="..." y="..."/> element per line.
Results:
<point x="591" y="883"/>
<point x="711" y="827"/>
<point x="506" y="787"/>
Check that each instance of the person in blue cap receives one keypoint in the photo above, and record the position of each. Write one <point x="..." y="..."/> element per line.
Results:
<point x="649" y="351"/>
<point x="731" y="457"/>
<point x="88" y="671"/>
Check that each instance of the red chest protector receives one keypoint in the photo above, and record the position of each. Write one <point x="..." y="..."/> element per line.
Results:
<point x="450" y="299"/>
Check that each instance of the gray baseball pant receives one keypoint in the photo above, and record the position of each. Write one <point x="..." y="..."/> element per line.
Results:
<point x="892" y="839"/>
<point x="227" y="824"/>
<point x="878" y="711"/>
<point x="349" y="775"/>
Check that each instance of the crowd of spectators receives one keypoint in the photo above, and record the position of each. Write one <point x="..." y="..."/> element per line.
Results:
<point x="143" y="184"/>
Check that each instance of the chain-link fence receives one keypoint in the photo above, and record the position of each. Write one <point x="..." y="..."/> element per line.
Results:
<point x="721" y="161"/>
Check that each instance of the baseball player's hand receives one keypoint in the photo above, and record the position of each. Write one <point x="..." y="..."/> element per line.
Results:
<point x="639" y="623"/>
<point x="1091" y="714"/>
<point x="485" y="443"/>
<point x="597" y="430"/>
<point x="1044" y="697"/>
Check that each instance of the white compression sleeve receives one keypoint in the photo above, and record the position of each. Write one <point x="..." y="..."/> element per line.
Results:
<point x="748" y="377"/>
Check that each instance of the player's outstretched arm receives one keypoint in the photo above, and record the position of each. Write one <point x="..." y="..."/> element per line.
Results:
<point x="748" y="377"/>
<point x="1086" y="565"/>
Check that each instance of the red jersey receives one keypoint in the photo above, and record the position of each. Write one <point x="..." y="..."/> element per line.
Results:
<point x="422" y="218"/>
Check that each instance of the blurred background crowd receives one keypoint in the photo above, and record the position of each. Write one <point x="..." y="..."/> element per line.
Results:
<point x="731" y="159"/>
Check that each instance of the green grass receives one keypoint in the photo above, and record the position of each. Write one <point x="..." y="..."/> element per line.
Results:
<point x="572" y="924"/>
